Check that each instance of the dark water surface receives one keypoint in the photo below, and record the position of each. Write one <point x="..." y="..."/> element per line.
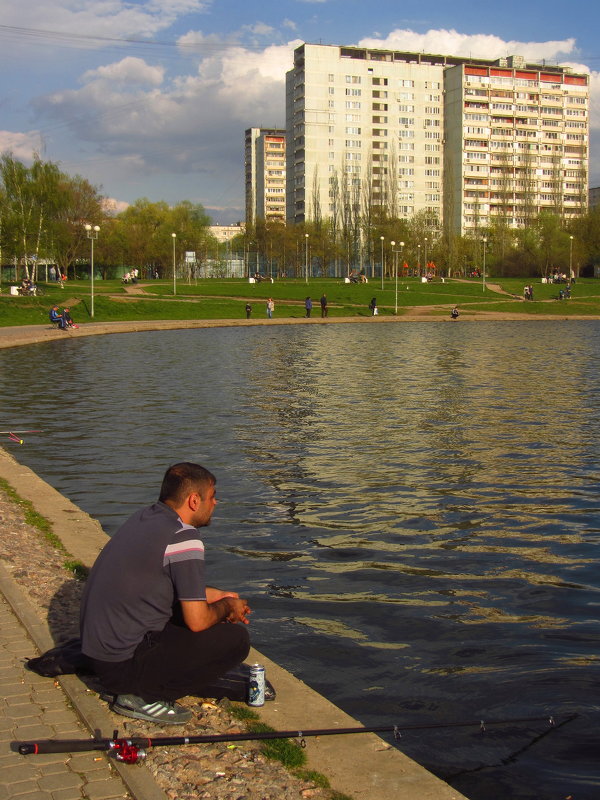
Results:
<point x="411" y="509"/>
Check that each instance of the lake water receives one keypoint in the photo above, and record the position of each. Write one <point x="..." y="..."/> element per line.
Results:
<point x="411" y="509"/>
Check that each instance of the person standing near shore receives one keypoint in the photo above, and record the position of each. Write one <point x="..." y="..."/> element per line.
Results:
<point x="150" y="625"/>
<point x="323" y="302"/>
<point x="270" y="307"/>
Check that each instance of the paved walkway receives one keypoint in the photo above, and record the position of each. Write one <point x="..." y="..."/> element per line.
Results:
<point x="32" y="708"/>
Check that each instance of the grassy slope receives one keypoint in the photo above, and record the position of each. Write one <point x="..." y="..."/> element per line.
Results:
<point x="225" y="299"/>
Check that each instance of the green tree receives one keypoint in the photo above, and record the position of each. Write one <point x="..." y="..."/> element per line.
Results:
<point x="31" y="200"/>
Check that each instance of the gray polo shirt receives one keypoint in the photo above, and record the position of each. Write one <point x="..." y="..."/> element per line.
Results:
<point x="153" y="560"/>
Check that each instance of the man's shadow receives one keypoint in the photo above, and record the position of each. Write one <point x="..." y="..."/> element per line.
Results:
<point x="66" y="658"/>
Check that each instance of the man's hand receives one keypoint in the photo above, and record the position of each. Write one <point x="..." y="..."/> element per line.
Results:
<point x="199" y="615"/>
<point x="239" y="611"/>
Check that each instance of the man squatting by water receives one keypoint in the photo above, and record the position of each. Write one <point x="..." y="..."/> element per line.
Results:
<point x="152" y="628"/>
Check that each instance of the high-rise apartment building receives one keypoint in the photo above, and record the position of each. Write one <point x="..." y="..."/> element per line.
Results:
<point x="467" y="140"/>
<point x="363" y="119"/>
<point x="264" y="156"/>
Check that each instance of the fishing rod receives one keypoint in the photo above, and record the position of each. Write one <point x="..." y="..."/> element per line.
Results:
<point x="12" y="435"/>
<point x="132" y="749"/>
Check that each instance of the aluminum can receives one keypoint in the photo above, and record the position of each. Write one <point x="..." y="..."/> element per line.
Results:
<point x="256" y="689"/>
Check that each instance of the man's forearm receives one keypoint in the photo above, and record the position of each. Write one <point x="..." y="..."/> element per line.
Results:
<point x="200" y="615"/>
<point x="213" y="594"/>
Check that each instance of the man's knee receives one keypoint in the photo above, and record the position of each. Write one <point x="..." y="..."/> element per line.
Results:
<point x="240" y="640"/>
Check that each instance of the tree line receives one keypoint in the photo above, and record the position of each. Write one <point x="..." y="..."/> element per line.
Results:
<point x="43" y="213"/>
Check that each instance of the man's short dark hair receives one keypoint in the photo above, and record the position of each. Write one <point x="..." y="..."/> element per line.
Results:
<point x="182" y="479"/>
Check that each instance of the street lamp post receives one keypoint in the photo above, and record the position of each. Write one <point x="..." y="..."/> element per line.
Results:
<point x="419" y="258"/>
<point x="92" y="235"/>
<point x="426" y="262"/>
<point x="395" y="252"/>
<point x="484" y="249"/>
<point x="382" y="270"/>
<point x="306" y="257"/>
<point x="174" y="236"/>
<point x="570" y="258"/>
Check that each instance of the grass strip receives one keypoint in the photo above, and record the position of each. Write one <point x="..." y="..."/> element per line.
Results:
<point x="44" y="526"/>
<point x="286" y="751"/>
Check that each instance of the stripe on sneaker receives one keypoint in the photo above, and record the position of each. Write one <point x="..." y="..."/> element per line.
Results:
<point x="154" y="709"/>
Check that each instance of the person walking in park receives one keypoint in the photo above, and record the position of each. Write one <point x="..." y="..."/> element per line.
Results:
<point x="323" y="302"/>
<point x="270" y="307"/>
<point x="150" y="625"/>
<point x="308" y="306"/>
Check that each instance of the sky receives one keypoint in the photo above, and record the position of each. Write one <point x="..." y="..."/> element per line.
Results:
<point x="151" y="98"/>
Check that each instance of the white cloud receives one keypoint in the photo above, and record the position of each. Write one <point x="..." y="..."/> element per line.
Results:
<point x="259" y="29"/>
<point x="451" y="42"/>
<point x="104" y="18"/>
<point x="23" y="146"/>
<point x="113" y="207"/>
<point x="129" y="70"/>
<point x="142" y="124"/>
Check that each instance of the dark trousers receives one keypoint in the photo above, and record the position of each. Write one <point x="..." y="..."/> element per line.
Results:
<point x="176" y="662"/>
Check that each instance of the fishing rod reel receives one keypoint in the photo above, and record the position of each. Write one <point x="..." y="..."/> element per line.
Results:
<point x="124" y="750"/>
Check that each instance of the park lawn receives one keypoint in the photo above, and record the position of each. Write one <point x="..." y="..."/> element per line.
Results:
<point x="226" y="299"/>
<point x="410" y="291"/>
<point x="34" y="310"/>
<point x="583" y="287"/>
<point x="558" y="308"/>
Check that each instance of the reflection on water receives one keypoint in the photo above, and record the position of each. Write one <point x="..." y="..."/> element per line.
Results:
<point x="412" y="510"/>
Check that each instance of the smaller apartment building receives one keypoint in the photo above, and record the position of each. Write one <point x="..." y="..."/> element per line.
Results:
<point x="264" y="157"/>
